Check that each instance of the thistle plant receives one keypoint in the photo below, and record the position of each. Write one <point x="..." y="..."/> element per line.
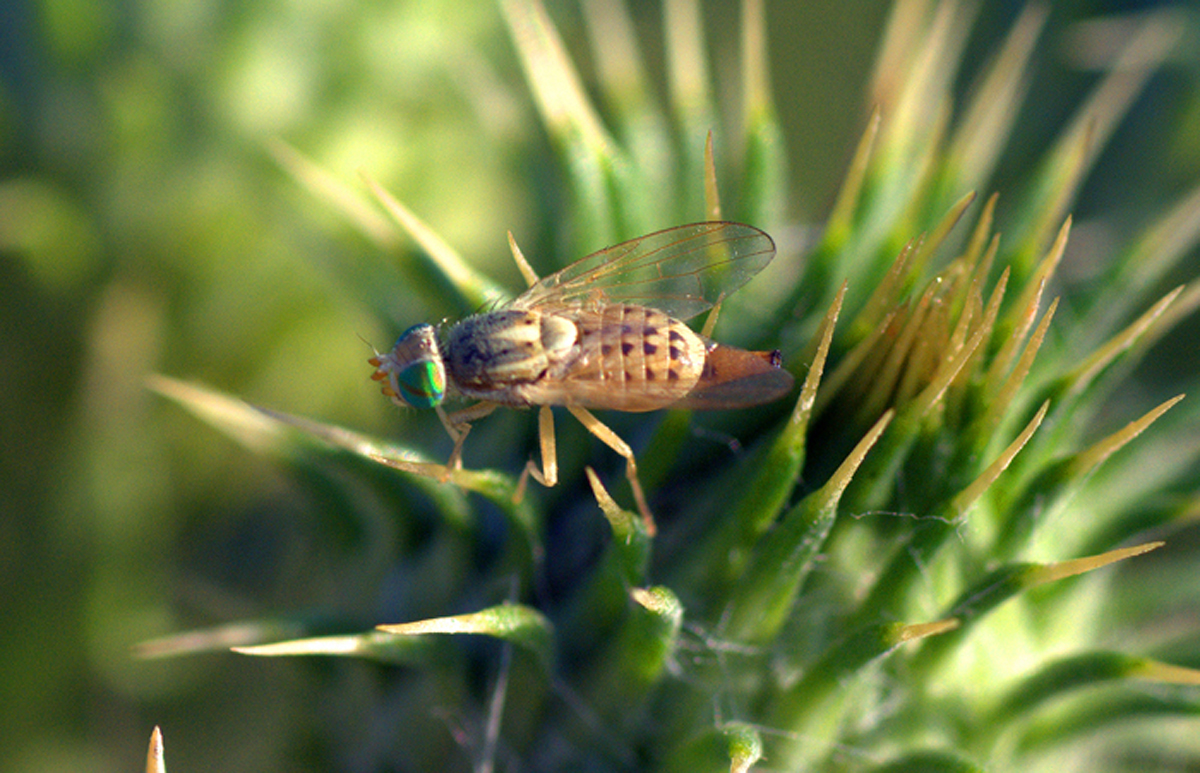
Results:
<point x="908" y="564"/>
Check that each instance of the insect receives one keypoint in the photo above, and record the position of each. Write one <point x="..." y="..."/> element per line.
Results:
<point x="605" y="332"/>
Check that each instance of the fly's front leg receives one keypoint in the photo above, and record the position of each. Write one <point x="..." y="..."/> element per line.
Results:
<point x="610" y="439"/>
<point x="457" y="425"/>
<point x="548" y="475"/>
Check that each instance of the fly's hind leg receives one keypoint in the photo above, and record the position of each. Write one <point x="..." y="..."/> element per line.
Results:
<point x="610" y="439"/>
<point x="457" y="425"/>
<point x="548" y="475"/>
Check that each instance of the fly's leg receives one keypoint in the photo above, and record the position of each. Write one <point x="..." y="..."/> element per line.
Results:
<point x="610" y="439"/>
<point x="548" y="475"/>
<point x="457" y="425"/>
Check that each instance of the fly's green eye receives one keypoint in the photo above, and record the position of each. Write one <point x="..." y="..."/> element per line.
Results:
<point x="422" y="384"/>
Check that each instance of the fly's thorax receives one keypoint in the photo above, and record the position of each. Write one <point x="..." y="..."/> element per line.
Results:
<point x="488" y="355"/>
<point x="413" y="371"/>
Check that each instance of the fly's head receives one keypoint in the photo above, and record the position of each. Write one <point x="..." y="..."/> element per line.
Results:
<point x="412" y="372"/>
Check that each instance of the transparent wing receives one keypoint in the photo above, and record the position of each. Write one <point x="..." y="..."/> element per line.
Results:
<point x="683" y="270"/>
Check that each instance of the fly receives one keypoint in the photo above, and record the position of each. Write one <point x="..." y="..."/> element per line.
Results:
<point x="605" y="332"/>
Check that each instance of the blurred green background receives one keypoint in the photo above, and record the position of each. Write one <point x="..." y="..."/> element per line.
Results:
<point x="144" y="228"/>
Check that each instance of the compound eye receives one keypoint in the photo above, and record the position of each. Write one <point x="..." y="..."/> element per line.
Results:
<point x="422" y="384"/>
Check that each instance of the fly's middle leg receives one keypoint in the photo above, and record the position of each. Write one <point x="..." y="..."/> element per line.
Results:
<point x="548" y="475"/>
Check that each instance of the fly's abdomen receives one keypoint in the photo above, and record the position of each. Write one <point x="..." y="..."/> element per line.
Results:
<point x="632" y="358"/>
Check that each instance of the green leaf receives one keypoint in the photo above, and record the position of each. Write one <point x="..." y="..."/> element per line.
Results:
<point x="299" y="441"/>
<point x="368" y="645"/>
<point x="812" y="708"/>
<point x="930" y="762"/>
<point x="762" y="600"/>
<point x="521" y="625"/>
<point x="769" y="482"/>
<point x="596" y="167"/>
<point x="633" y="661"/>
<point x="1085" y="671"/>
<point x="735" y="746"/>
<point x="998" y="586"/>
